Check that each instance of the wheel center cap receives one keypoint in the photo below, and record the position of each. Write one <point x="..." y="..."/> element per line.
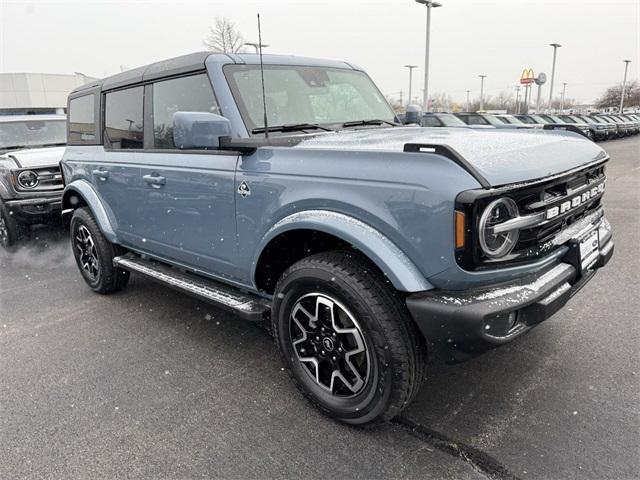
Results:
<point x="327" y="343"/>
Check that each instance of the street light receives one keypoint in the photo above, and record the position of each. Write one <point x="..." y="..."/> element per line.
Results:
<point x="256" y="45"/>
<point x="564" y="88"/>
<point x="624" y="84"/>
<point x="429" y="4"/>
<point x="553" y="70"/>
<point x="468" y="92"/>
<point x="410" y="67"/>
<point x="482" y="77"/>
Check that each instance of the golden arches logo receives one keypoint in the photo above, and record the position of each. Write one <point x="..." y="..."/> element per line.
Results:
<point x="527" y="76"/>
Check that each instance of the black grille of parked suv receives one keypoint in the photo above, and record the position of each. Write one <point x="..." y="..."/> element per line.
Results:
<point x="41" y="179"/>
<point x="544" y="210"/>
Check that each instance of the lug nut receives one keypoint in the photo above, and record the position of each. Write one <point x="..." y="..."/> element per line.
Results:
<point x="322" y="352"/>
<point x="333" y="358"/>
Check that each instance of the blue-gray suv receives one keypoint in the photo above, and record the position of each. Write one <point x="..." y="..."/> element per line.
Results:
<point x="289" y="194"/>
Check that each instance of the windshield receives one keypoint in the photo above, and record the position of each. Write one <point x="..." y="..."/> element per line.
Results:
<point x="32" y="133"/>
<point x="513" y="120"/>
<point x="302" y="94"/>
<point x="450" y="120"/>
<point x="493" y="120"/>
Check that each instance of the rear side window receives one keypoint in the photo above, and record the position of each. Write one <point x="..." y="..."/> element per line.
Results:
<point x="184" y="94"/>
<point x="82" y="120"/>
<point x="123" y="125"/>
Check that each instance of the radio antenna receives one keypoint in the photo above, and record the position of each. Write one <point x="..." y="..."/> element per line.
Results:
<point x="264" y="97"/>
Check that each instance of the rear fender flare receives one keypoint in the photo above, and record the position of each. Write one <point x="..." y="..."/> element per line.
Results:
<point x="102" y="213"/>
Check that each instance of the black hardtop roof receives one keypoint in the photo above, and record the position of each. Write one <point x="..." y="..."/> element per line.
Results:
<point x="172" y="66"/>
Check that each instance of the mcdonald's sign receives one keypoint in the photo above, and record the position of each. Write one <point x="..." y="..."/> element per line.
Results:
<point x="527" y="76"/>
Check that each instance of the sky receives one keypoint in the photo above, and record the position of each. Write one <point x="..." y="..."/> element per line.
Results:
<point x="497" y="38"/>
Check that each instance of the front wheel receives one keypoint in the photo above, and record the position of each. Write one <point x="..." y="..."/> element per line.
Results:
<point x="94" y="254"/>
<point x="11" y="230"/>
<point x="347" y="338"/>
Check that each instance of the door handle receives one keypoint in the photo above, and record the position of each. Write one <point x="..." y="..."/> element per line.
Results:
<point x="102" y="174"/>
<point x="155" y="181"/>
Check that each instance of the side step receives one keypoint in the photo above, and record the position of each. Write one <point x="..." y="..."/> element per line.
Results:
<point x="245" y="305"/>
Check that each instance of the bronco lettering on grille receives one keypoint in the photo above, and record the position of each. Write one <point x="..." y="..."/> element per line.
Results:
<point x="575" y="201"/>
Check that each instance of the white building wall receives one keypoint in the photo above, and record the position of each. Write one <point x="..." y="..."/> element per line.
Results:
<point x="37" y="90"/>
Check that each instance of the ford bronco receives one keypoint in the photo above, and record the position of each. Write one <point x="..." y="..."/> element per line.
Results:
<point x="31" y="147"/>
<point x="288" y="193"/>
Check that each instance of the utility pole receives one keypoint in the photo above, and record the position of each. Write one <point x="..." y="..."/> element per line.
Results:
<point x="624" y="84"/>
<point x="482" y="77"/>
<point x="256" y="45"/>
<point x="410" y="67"/>
<point x="468" y="92"/>
<point x="553" y="71"/>
<point x="564" y="89"/>
<point x="429" y="4"/>
<point x="401" y="103"/>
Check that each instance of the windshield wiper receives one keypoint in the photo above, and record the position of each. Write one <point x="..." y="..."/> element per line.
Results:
<point x="357" y="123"/>
<point x="291" y="127"/>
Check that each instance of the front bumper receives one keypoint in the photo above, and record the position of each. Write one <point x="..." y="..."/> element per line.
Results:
<point x="460" y="325"/>
<point x="36" y="210"/>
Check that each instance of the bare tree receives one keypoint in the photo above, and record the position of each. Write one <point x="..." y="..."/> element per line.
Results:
<point x="224" y="38"/>
<point x="611" y="96"/>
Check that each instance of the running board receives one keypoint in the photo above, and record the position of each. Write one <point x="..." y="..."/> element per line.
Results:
<point x="245" y="305"/>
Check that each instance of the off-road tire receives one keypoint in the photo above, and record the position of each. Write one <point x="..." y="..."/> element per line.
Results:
<point x="397" y="351"/>
<point x="11" y="230"/>
<point x="107" y="278"/>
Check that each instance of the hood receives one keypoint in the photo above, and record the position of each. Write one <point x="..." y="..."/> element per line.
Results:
<point x="35" y="157"/>
<point x="501" y="156"/>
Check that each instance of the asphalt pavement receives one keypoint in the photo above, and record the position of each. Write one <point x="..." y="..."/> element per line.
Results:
<point x="149" y="383"/>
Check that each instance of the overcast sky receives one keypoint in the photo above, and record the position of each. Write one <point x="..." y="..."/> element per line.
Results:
<point x="497" y="38"/>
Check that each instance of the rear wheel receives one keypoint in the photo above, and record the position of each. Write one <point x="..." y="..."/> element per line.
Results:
<point x="94" y="254"/>
<point x="11" y="231"/>
<point x="347" y="338"/>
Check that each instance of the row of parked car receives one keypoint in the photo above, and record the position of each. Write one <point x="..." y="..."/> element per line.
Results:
<point x="595" y="126"/>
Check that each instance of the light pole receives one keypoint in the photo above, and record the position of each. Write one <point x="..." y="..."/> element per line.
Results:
<point x="624" y="84"/>
<point x="410" y="67"/>
<point x="429" y="4"/>
<point x="517" y="109"/>
<point x="482" y="77"/>
<point x="564" y="89"/>
<point x="553" y="71"/>
<point x="256" y="45"/>
<point x="468" y="92"/>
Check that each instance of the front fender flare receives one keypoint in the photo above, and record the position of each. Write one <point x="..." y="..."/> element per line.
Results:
<point x="101" y="213"/>
<point x="398" y="268"/>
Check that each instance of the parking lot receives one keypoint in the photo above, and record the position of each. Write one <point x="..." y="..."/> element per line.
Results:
<point x="150" y="383"/>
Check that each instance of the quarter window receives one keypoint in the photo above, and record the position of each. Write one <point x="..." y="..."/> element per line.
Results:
<point x="82" y="119"/>
<point x="184" y="94"/>
<point x="123" y="119"/>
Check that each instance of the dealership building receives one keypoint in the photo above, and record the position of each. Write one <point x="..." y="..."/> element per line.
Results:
<point x="29" y="93"/>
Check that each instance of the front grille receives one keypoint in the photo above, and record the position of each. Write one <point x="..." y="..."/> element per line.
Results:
<point x="49" y="179"/>
<point x="539" y="201"/>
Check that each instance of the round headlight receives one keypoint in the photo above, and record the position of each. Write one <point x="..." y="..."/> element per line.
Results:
<point x="28" y="179"/>
<point x="494" y="244"/>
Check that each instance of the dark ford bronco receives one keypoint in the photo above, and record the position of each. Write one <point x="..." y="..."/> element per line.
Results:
<point x="31" y="147"/>
<point x="362" y="244"/>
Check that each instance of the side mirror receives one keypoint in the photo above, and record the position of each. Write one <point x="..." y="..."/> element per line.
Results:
<point x="199" y="130"/>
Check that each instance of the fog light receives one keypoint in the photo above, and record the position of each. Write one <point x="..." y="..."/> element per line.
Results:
<point x="501" y="325"/>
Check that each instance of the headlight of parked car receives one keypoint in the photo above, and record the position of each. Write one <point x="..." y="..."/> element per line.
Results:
<point x="28" y="179"/>
<point x="496" y="245"/>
